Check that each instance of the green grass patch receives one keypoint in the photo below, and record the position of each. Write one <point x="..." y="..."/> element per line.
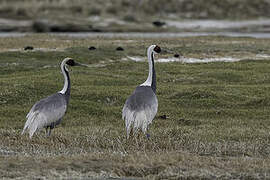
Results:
<point x="218" y="113"/>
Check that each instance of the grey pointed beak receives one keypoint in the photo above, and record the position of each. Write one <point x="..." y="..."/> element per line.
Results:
<point x="80" y="64"/>
<point x="165" y="51"/>
<point x="168" y="51"/>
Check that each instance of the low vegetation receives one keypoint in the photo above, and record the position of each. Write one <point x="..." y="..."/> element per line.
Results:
<point x="187" y="9"/>
<point x="217" y="123"/>
<point x="122" y="15"/>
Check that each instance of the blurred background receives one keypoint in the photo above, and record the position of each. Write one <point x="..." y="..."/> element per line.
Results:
<point x="134" y="15"/>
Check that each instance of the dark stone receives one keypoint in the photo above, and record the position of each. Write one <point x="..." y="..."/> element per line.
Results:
<point x="92" y="48"/>
<point x="163" y="116"/>
<point x="158" y="23"/>
<point x="26" y="48"/>
<point x="176" y="55"/>
<point x="97" y="30"/>
<point x="119" y="49"/>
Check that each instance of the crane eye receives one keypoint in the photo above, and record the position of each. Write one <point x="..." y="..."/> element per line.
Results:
<point x="157" y="49"/>
<point x="70" y="62"/>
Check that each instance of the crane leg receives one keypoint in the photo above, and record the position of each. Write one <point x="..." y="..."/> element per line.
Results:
<point x="46" y="130"/>
<point x="131" y="131"/>
<point x="50" y="129"/>
<point x="147" y="134"/>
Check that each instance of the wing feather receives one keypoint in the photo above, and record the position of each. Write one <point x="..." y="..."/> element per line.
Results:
<point x="45" y="112"/>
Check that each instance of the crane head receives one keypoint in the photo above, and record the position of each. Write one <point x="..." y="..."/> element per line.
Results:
<point x="157" y="49"/>
<point x="72" y="62"/>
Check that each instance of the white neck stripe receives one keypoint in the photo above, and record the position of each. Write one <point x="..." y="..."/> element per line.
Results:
<point x="148" y="81"/>
<point x="63" y="68"/>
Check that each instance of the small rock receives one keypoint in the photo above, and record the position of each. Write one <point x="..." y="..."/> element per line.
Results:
<point x="92" y="48"/>
<point x="176" y="55"/>
<point x="158" y="23"/>
<point x="26" y="48"/>
<point x="119" y="49"/>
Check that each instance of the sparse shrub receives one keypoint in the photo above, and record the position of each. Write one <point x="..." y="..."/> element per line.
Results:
<point x="94" y="11"/>
<point x="129" y="18"/>
<point x="125" y="3"/>
<point x="112" y="10"/>
<point x="6" y="10"/>
<point x="40" y="26"/>
<point x="21" y="12"/>
<point x="76" y="9"/>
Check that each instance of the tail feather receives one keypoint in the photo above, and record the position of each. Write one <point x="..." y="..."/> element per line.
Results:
<point x="135" y="120"/>
<point x="32" y="130"/>
<point x="30" y="123"/>
<point x="140" y="121"/>
<point x="128" y="116"/>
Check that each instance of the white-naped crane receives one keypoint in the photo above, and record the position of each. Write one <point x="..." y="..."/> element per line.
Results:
<point x="141" y="106"/>
<point x="48" y="112"/>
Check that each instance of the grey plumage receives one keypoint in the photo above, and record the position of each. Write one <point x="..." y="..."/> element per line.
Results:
<point x="141" y="107"/>
<point x="48" y="112"/>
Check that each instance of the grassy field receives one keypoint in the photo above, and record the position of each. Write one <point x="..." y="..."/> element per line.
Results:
<point x="218" y="113"/>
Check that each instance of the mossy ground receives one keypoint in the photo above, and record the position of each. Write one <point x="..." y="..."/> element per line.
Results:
<point x="218" y="113"/>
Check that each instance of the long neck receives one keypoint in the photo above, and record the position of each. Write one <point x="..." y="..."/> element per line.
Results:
<point x="66" y="87"/>
<point x="154" y="83"/>
<point x="151" y="79"/>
